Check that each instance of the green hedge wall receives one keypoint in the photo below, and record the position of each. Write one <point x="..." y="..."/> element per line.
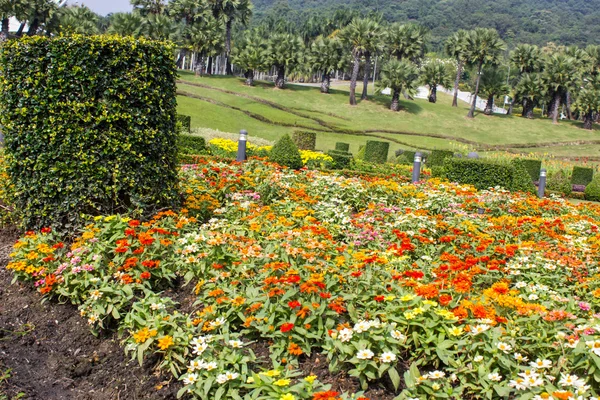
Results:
<point x="90" y="125"/>
<point x="190" y="144"/>
<point x="341" y="159"/>
<point x="484" y="174"/>
<point x="186" y="123"/>
<point x="582" y="175"/>
<point x="376" y="152"/>
<point x="340" y="146"/>
<point x="305" y="140"/>
<point x="533" y="168"/>
<point x="437" y="157"/>
<point x="559" y="181"/>
<point x="592" y="190"/>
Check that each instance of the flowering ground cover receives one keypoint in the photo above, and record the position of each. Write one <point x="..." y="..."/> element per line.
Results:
<point x="433" y="290"/>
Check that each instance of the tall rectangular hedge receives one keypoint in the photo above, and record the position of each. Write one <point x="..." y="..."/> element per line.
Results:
<point x="377" y="152"/>
<point x="90" y="126"/>
<point x="484" y="174"/>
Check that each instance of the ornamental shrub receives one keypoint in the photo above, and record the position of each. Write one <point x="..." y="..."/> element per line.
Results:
<point x="191" y="144"/>
<point x="582" y="175"/>
<point x="592" y="190"/>
<point x="305" y="140"/>
<point x="361" y="152"/>
<point x="438" y="156"/>
<point x="376" y="152"/>
<point x="407" y="157"/>
<point x="285" y="152"/>
<point x="533" y="168"/>
<point x="341" y="159"/>
<point x="90" y="127"/>
<point x="344" y="147"/>
<point x="484" y="174"/>
<point x="559" y="181"/>
<point x="186" y="123"/>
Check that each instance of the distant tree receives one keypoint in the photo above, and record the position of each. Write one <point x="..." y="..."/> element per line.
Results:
<point x="373" y="45"/>
<point x="126" y="24"/>
<point x="406" y="42"/>
<point x="529" y="92"/>
<point x="325" y="56"/>
<point x="160" y="27"/>
<point x="593" y="53"/>
<point x="78" y="19"/>
<point x="147" y="7"/>
<point x="434" y="74"/>
<point x="205" y="37"/>
<point x="399" y="76"/>
<point x="285" y="53"/>
<point x="588" y="103"/>
<point x="358" y="35"/>
<point x="250" y="54"/>
<point x="483" y="47"/>
<point x="493" y="84"/>
<point x="560" y="74"/>
<point x="455" y="47"/>
<point x="527" y="59"/>
<point x="231" y="10"/>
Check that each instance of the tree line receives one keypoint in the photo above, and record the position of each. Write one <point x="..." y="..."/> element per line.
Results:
<point x="554" y="78"/>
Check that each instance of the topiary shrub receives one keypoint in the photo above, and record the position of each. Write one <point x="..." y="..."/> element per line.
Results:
<point x="185" y="122"/>
<point x="376" y="152"/>
<point x="484" y="174"/>
<point x="305" y="140"/>
<point x="285" y="152"/>
<point x="533" y="167"/>
<point x="437" y="157"/>
<point x="361" y="152"/>
<point x="191" y="144"/>
<point x="521" y="181"/>
<point x="340" y="146"/>
<point x="559" y="181"/>
<point x="90" y="126"/>
<point x="341" y="159"/>
<point x="582" y="175"/>
<point x="592" y="190"/>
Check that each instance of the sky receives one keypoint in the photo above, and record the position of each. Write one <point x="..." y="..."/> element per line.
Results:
<point x="104" y="7"/>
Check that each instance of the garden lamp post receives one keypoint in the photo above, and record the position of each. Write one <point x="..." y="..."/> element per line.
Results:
<point x="241" y="152"/>
<point x="542" y="184"/>
<point x="416" y="167"/>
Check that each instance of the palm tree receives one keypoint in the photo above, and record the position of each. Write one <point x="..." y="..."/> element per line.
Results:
<point x="406" y="41"/>
<point x="160" y="27"/>
<point x="285" y="52"/>
<point x="205" y="37"/>
<point x="560" y="74"/>
<point x="529" y="92"/>
<point x="493" y="84"/>
<point x="358" y="35"/>
<point x="126" y="24"/>
<point x="527" y="58"/>
<point x="37" y="14"/>
<point x="399" y="76"/>
<point x="374" y="45"/>
<point x="434" y="74"/>
<point x="593" y="53"/>
<point x="326" y="55"/>
<point x="250" y="55"/>
<point x="483" y="47"/>
<point x="78" y="19"/>
<point x="147" y="7"/>
<point x="231" y="10"/>
<point x="588" y="104"/>
<point x="455" y="47"/>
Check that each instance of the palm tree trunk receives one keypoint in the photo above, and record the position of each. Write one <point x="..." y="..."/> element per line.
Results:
<point x="556" y="106"/>
<point x="472" y="110"/>
<point x="5" y="25"/>
<point x="228" y="70"/>
<point x="250" y="77"/>
<point x="35" y="24"/>
<point x="527" y="109"/>
<point x="280" y="80"/>
<point x="198" y="64"/>
<point x="395" y="106"/>
<point x="433" y="94"/>
<point x="456" y="82"/>
<point x="568" y="105"/>
<point x="489" y="106"/>
<point x="588" y="121"/>
<point x="325" y="83"/>
<point x="21" y="29"/>
<point x="209" y="66"/>
<point x="180" y="57"/>
<point x="353" y="79"/>
<point x="366" y="77"/>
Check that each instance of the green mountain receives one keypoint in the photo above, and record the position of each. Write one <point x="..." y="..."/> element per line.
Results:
<point x="566" y="22"/>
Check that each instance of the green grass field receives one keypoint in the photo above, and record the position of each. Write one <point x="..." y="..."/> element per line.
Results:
<point x="224" y="103"/>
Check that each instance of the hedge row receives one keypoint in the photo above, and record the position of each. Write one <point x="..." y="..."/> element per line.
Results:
<point x="305" y="140"/>
<point x="190" y="144"/>
<point x="90" y="126"/>
<point x="341" y="159"/>
<point x="582" y="175"/>
<point x="377" y="152"/>
<point x="185" y="123"/>
<point x="484" y="174"/>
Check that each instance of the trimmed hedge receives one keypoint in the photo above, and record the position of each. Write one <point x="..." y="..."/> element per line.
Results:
<point x="533" y="168"/>
<point x="361" y="152"/>
<point x="305" y="140"/>
<point x="186" y="123"/>
<point x="90" y="125"/>
<point x="592" y="190"/>
<point x="559" y="182"/>
<point x="285" y="152"/>
<point x="340" y="146"/>
<point x="341" y="159"/>
<point x="190" y="144"/>
<point x="582" y="176"/>
<point x="484" y="174"/>
<point x="437" y="157"/>
<point x="376" y="152"/>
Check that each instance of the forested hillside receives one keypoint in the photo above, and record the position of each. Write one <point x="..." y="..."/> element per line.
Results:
<point x="568" y="22"/>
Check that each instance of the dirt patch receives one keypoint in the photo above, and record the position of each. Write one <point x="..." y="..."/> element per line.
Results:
<point x="51" y="353"/>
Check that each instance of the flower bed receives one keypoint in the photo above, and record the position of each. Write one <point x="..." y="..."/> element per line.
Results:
<point x="435" y="288"/>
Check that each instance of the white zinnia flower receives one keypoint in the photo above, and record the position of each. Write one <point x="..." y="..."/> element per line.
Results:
<point x="540" y="364"/>
<point x="388" y="357"/>
<point x="436" y="375"/>
<point x="494" y="376"/>
<point x="191" y="379"/>
<point x="345" y="334"/>
<point x="365" y="354"/>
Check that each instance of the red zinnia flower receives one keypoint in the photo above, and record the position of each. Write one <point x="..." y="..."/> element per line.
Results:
<point x="288" y="326"/>
<point x="145" y="275"/>
<point x="379" y="299"/>
<point x="294" y="304"/>
<point x="46" y="230"/>
<point x="133" y="223"/>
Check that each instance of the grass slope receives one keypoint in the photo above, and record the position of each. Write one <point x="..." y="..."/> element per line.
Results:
<point x="224" y="103"/>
